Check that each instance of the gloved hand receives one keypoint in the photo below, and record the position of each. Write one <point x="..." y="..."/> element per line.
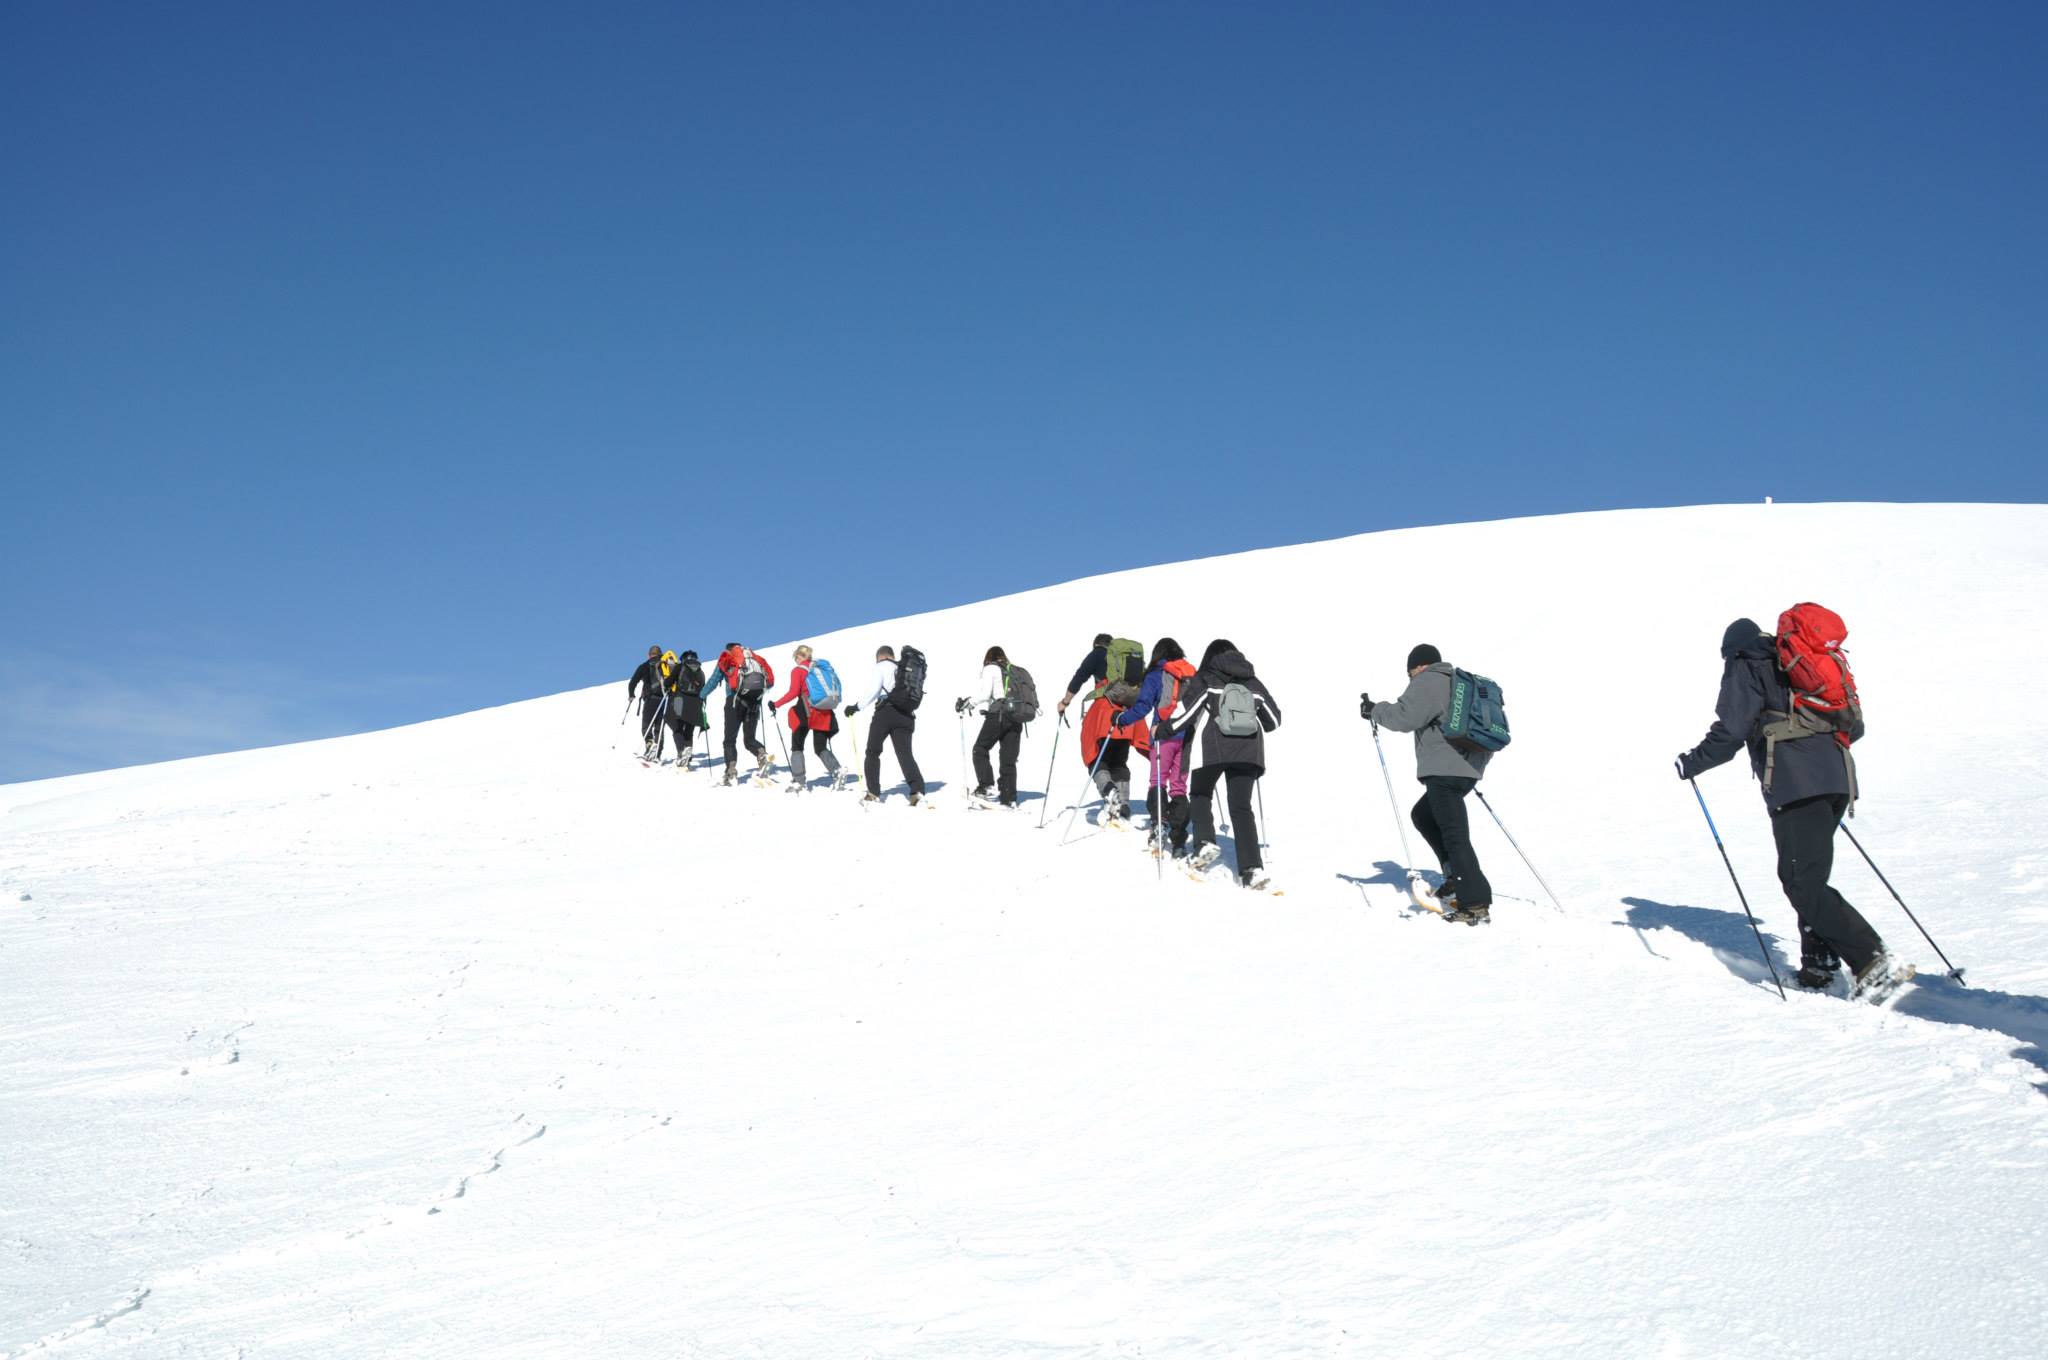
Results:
<point x="1679" y="765"/>
<point x="1365" y="707"/>
<point x="852" y="709"/>
<point x="771" y="705"/>
<point x="960" y="705"/>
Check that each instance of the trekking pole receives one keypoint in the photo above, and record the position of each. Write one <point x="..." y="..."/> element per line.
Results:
<point x="1518" y="849"/>
<point x="966" y="788"/>
<point x="1953" y="971"/>
<point x="1074" y="807"/>
<point x="1407" y="859"/>
<point x="1265" y="827"/>
<point x="1738" y="887"/>
<point x="1049" y="766"/>
<point x="1158" y="812"/>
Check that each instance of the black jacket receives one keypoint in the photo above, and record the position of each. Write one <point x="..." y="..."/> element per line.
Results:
<point x="1198" y="712"/>
<point x="1094" y="666"/>
<point x="1751" y="686"/>
<point x="646" y="679"/>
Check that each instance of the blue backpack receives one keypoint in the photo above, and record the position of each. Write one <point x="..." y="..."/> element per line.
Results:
<point x="821" y="687"/>
<point x="1475" y="719"/>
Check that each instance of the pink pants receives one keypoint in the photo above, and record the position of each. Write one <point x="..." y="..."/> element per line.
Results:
<point x="1169" y="766"/>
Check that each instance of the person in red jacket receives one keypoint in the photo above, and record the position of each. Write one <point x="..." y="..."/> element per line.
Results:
<point x="746" y="676"/>
<point x="820" y="725"/>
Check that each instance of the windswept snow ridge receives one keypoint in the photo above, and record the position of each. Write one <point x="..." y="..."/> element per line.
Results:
<point x="285" y="1028"/>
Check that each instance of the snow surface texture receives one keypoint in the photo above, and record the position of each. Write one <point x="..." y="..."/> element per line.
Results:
<point x="479" y="1038"/>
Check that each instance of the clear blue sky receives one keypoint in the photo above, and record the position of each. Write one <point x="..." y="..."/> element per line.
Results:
<point x="362" y="363"/>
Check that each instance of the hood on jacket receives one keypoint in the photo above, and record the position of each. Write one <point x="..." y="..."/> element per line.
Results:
<point x="1229" y="666"/>
<point x="1744" y="638"/>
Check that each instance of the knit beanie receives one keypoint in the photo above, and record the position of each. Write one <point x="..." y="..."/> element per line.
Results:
<point x="1424" y="655"/>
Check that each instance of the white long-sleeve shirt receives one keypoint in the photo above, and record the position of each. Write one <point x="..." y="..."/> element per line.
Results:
<point x="885" y="680"/>
<point x="988" y="689"/>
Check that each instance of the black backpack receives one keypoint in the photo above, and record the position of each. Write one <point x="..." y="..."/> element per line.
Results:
<point x="1020" y="694"/>
<point x="909" y="690"/>
<point x="689" y="695"/>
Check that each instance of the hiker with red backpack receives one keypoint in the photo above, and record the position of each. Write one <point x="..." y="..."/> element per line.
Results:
<point x="1159" y="699"/>
<point x="1226" y="710"/>
<point x="1007" y="698"/>
<point x="814" y="694"/>
<point x="746" y="676"/>
<point x="1791" y="700"/>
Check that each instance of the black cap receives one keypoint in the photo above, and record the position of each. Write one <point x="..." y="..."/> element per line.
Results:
<point x="1424" y="655"/>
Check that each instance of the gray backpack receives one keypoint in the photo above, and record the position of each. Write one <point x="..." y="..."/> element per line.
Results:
<point x="1237" y="711"/>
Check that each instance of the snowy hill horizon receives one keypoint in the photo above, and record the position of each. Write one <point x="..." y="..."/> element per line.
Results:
<point x="475" y="1036"/>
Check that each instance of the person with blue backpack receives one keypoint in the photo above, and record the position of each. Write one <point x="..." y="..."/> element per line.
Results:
<point x="814" y="694"/>
<point x="1159" y="699"/>
<point x="1448" y="771"/>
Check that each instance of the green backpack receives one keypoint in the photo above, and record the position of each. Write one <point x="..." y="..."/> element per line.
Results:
<point x="1125" y="673"/>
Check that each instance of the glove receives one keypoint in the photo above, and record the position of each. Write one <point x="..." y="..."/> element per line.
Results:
<point x="852" y="709"/>
<point x="960" y="705"/>
<point x="771" y="705"/>
<point x="1679" y="765"/>
<point x="1365" y="707"/>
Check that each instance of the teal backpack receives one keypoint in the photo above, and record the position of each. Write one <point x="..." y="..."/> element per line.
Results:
<point x="1475" y="719"/>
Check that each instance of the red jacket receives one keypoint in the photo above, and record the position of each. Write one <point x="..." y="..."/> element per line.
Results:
<point x="799" y="686"/>
<point x="1095" y="727"/>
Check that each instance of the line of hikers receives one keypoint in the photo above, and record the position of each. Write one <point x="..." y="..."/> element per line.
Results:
<point x="1789" y="700"/>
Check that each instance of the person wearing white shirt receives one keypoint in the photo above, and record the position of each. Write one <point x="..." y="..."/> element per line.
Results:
<point x="999" y="730"/>
<point x="891" y="724"/>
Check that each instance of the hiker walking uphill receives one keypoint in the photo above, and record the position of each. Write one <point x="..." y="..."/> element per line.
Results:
<point x="685" y="714"/>
<point x="746" y="676"/>
<point x="814" y="692"/>
<point x="1115" y="665"/>
<point x="1448" y="772"/>
<point x="648" y="679"/>
<point x="899" y="689"/>
<point x="1159" y="699"/>
<point x="1799" y="750"/>
<point x="1007" y="698"/>
<point x="1226" y="710"/>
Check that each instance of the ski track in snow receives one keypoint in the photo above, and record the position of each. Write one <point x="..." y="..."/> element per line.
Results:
<point x="813" y="1082"/>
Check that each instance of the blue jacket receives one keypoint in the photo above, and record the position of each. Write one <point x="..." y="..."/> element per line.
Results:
<point x="1149" y="695"/>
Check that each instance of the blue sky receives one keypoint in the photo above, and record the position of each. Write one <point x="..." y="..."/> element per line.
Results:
<point x="364" y="363"/>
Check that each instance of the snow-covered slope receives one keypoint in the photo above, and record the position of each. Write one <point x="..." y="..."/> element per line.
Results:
<point x="477" y="1038"/>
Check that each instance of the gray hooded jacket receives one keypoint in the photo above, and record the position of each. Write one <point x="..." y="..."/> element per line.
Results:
<point x="1420" y="710"/>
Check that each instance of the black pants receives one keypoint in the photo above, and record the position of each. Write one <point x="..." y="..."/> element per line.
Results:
<point x="1202" y="789"/>
<point x="1440" y="816"/>
<point x="821" y="742"/>
<point x="742" y="713"/>
<point x="1002" y="734"/>
<point x="894" y="726"/>
<point x="651" y="713"/>
<point x="685" y="733"/>
<point x="1805" y="833"/>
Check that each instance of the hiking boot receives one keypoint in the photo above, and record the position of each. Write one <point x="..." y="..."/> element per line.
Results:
<point x="1206" y="855"/>
<point x="761" y="757"/>
<point x="1255" y="879"/>
<point x="871" y="798"/>
<point x="986" y="793"/>
<point x="1815" y="975"/>
<point x="1880" y="979"/>
<point x="1471" y="916"/>
<point x="914" y="797"/>
<point x="728" y="776"/>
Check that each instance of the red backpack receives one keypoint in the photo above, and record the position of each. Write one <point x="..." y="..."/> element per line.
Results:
<point x="1810" y="638"/>
<point x="1173" y="675"/>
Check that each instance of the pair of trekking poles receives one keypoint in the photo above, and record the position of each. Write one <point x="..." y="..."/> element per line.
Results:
<point x="1953" y="971"/>
<point x="1414" y="874"/>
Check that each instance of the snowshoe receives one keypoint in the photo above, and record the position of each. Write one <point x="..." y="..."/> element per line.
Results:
<point x="1470" y="916"/>
<point x="1881" y="979"/>
<point x="1255" y="879"/>
<point x="1205" y="857"/>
